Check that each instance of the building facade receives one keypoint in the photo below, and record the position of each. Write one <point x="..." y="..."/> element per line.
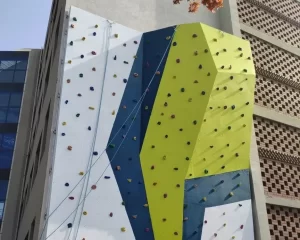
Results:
<point x="272" y="29"/>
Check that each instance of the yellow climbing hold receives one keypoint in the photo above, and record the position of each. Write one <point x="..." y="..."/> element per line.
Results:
<point x="168" y="37"/>
<point x="123" y="229"/>
<point x="70" y="61"/>
<point x="116" y="35"/>
<point x="64" y="123"/>
<point x="113" y="112"/>
<point x="84" y="213"/>
<point x="115" y="75"/>
<point x="146" y="205"/>
<point x="81" y="173"/>
<point x="83" y="38"/>
<point x="91" y="108"/>
<point x="129" y="180"/>
<point x="135" y="57"/>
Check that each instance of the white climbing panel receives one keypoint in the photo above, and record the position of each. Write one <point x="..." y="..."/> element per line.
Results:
<point x="229" y="221"/>
<point x="101" y="214"/>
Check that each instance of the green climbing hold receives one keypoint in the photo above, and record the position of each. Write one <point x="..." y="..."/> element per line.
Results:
<point x="74" y="19"/>
<point x="112" y="145"/>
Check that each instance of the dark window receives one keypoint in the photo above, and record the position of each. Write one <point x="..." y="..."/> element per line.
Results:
<point x="3" y="189"/>
<point x="5" y="158"/>
<point x="4" y="99"/>
<point x="21" y="65"/>
<point x="6" y="76"/>
<point x="15" y="99"/>
<point x="13" y="115"/>
<point x="19" y="76"/>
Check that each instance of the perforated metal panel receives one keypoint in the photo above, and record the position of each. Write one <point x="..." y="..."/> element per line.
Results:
<point x="280" y="179"/>
<point x="277" y="136"/>
<point x="277" y="96"/>
<point x="268" y="23"/>
<point x="284" y="222"/>
<point x="273" y="59"/>
<point x="290" y="8"/>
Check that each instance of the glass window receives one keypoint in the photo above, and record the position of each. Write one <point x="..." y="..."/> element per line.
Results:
<point x="3" y="189"/>
<point x="13" y="115"/>
<point x="10" y="65"/>
<point x="4" y="99"/>
<point x="22" y="65"/>
<point x="1" y="209"/>
<point x="6" y="158"/>
<point x="8" y="141"/>
<point x="3" y="114"/>
<point x="15" y="99"/>
<point x="20" y="76"/>
<point x="6" y="76"/>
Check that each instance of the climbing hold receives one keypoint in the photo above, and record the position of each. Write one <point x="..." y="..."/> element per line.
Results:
<point x="177" y="60"/>
<point x="247" y="103"/>
<point x="116" y="35"/>
<point x="168" y="37"/>
<point x="195" y="122"/>
<point x="176" y="233"/>
<point x="146" y="107"/>
<point x="242" y="226"/>
<point x="176" y="169"/>
<point x="241" y="55"/>
<point x="125" y="80"/>
<point x="94" y="69"/>
<point x="115" y="75"/>
<point x="93" y="53"/>
<point x="71" y="43"/>
<point x="83" y="38"/>
<point x="95" y="153"/>
<point x="72" y="26"/>
<point x="169" y="95"/>
<point x="182" y="89"/>
<point x="196" y="81"/>
<point x="231" y="194"/>
<point x="211" y="146"/>
<point x="240" y="49"/>
<point x="123" y="229"/>
<point x="188" y="143"/>
<point x="93" y="187"/>
<point x="164" y="219"/>
<point x="124" y="44"/>
<point x="215" y="40"/>
<point x="135" y="75"/>
<point x="196" y="53"/>
<point x="185" y="219"/>
<point x="243" y="143"/>
<point x="135" y="42"/>
<point x="240" y="205"/>
<point x="224" y="225"/>
<point x="155" y="183"/>
<point x="180" y="129"/>
<point x="215" y="234"/>
<point x="69" y="225"/>
<point x="174" y="44"/>
<point x="92" y="88"/>
<point x="217" y="53"/>
<point x="195" y="35"/>
<point x="129" y="180"/>
<point x="236" y="154"/>
<point x="190" y="99"/>
<point x="69" y="148"/>
<point x="75" y="19"/>
<point x="81" y="75"/>
<point x="229" y="127"/>
<point x="245" y="70"/>
<point x="67" y="184"/>
<point x="63" y="134"/>
<point x="134" y="216"/>
<point x="244" y="125"/>
<point x="165" y="157"/>
<point x="157" y="72"/>
<point x="204" y="199"/>
<point x="84" y="213"/>
<point x="81" y="173"/>
<point x="231" y="77"/>
<point x="145" y="205"/>
<point x="152" y="146"/>
<point x="123" y="203"/>
<point x="68" y="81"/>
<point x="81" y="56"/>
<point x="216" y="130"/>
<point x="77" y="115"/>
<point x="165" y="195"/>
<point x="118" y="168"/>
<point x="208" y="74"/>
<point x="94" y="33"/>
<point x="125" y="62"/>
<point x="225" y="107"/>
<point x="173" y="116"/>
<point x="233" y="237"/>
<point x="178" y="185"/>
<point x="206" y="50"/>
<point x="222" y="156"/>
<point x="106" y="177"/>
<point x="147" y="229"/>
<point x="249" y="58"/>
<point x="152" y="167"/>
<point x="66" y="102"/>
<point x="206" y="171"/>
<point x="69" y="61"/>
<point x="225" y="88"/>
<point x="222" y="67"/>
<point x="241" y="89"/>
<point x="91" y="108"/>
<point x="89" y="128"/>
<point x="230" y="67"/>
<point x="233" y="107"/>
<point x="166" y="136"/>
<point x="223" y="167"/>
<point x="71" y="198"/>
<point x="224" y="50"/>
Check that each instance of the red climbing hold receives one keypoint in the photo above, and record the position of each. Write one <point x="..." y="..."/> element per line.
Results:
<point x="94" y="187"/>
<point x="147" y="229"/>
<point x="111" y="214"/>
<point x="71" y="198"/>
<point x="93" y="52"/>
<point x="242" y="226"/>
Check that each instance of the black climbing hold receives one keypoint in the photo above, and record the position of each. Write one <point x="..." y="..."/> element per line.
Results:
<point x="206" y="50"/>
<point x="195" y="35"/>
<point x="63" y="134"/>
<point x="227" y="144"/>
<point x="135" y="42"/>
<point x="115" y="57"/>
<point x="158" y="123"/>
<point x="240" y="49"/>
<point x="125" y="62"/>
<point x="166" y="136"/>
<point x="225" y="88"/>
<point x="174" y="43"/>
<point x="112" y="145"/>
<point x="185" y="206"/>
<point x="243" y="143"/>
<point x="67" y="184"/>
<point x="247" y="103"/>
<point x="176" y="169"/>
<point x="152" y="146"/>
<point x="241" y="54"/>
<point x="217" y="53"/>
<point x="224" y="50"/>
<point x="208" y="74"/>
<point x="71" y="43"/>
<point x="249" y="58"/>
<point x="165" y="104"/>
<point x="187" y="158"/>
<point x="74" y="19"/>
<point x="182" y="89"/>
<point x="169" y="95"/>
<point x="233" y="107"/>
<point x="231" y="77"/>
<point x="78" y="114"/>
<point x="200" y="66"/>
<point x="188" y="143"/>
<point x="125" y="80"/>
<point x="124" y="44"/>
<point x="92" y="88"/>
<point x="66" y="102"/>
<point x="215" y="40"/>
<point x="210" y="107"/>
<point x="95" y="153"/>
<point x="223" y="167"/>
<point x="217" y="89"/>
<point x="81" y="75"/>
<point x="203" y="93"/>
<point x="222" y="181"/>
<point x="221" y="156"/>
<point x="241" y="89"/>
<point x="106" y="177"/>
<point x="79" y="95"/>
<point x="236" y="154"/>
<point x="211" y="146"/>
<point x="180" y="129"/>
<point x="225" y="107"/>
<point x="245" y="70"/>
<point x="124" y="126"/>
<point x="240" y="205"/>
<point x="216" y="129"/>
<point x="94" y="33"/>
<point x="89" y="128"/>
<point x="222" y="67"/>
<point x="81" y="56"/>
<point x="229" y="127"/>
<point x="194" y="122"/>
<point x="70" y="225"/>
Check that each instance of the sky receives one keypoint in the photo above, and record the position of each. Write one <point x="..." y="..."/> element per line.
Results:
<point x="23" y="23"/>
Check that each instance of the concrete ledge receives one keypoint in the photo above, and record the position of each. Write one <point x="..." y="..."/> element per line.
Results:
<point x="270" y="39"/>
<point x="276" y="116"/>
<point x="283" y="202"/>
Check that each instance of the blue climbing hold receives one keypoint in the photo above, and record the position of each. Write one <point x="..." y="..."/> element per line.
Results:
<point x="66" y="102"/>
<point x="89" y="128"/>
<point x="95" y="153"/>
<point x="70" y="225"/>
<point x="91" y="88"/>
<point x="94" y="33"/>
<point x="67" y="184"/>
<point x="63" y="134"/>
<point x="80" y="75"/>
<point x="107" y="177"/>
<point x="125" y="80"/>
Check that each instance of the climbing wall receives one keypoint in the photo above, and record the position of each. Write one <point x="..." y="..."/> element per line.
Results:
<point x="153" y="134"/>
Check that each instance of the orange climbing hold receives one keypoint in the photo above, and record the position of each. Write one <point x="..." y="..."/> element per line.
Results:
<point x="69" y="148"/>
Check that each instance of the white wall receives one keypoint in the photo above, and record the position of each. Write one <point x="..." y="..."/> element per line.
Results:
<point x="235" y="216"/>
<point x="97" y="224"/>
